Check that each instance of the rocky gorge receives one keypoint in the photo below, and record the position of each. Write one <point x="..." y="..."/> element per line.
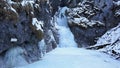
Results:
<point x="28" y="31"/>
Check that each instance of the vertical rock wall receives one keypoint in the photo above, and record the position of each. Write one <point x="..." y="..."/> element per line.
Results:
<point x="18" y="32"/>
<point x="98" y="10"/>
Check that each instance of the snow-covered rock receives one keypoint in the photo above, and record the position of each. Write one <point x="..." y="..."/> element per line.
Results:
<point x="117" y="3"/>
<point x="117" y="14"/>
<point x="80" y="15"/>
<point x="110" y="42"/>
<point x="37" y="24"/>
<point x="84" y="22"/>
<point x="110" y="36"/>
<point x="117" y="10"/>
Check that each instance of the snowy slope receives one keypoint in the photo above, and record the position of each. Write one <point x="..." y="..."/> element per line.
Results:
<point x="109" y="37"/>
<point x="75" y="58"/>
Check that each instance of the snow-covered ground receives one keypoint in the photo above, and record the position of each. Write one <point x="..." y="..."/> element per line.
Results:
<point x="74" y="58"/>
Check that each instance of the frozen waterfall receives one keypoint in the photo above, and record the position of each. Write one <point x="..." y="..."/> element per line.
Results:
<point x="66" y="38"/>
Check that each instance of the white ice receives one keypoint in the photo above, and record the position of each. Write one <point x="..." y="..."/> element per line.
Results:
<point x="66" y="38"/>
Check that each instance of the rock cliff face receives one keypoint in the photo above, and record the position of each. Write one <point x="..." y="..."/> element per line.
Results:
<point x="23" y="24"/>
<point x="92" y="18"/>
<point x="110" y="41"/>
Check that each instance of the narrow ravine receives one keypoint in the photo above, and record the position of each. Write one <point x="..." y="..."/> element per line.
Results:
<point x="67" y="55"/>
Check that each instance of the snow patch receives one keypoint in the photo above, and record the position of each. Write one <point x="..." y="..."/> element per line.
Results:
<point x="13" y="40"/>
<point x="117" y="3"/>
<point x="24" y="3"/>
<point x="38" y="24"/>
